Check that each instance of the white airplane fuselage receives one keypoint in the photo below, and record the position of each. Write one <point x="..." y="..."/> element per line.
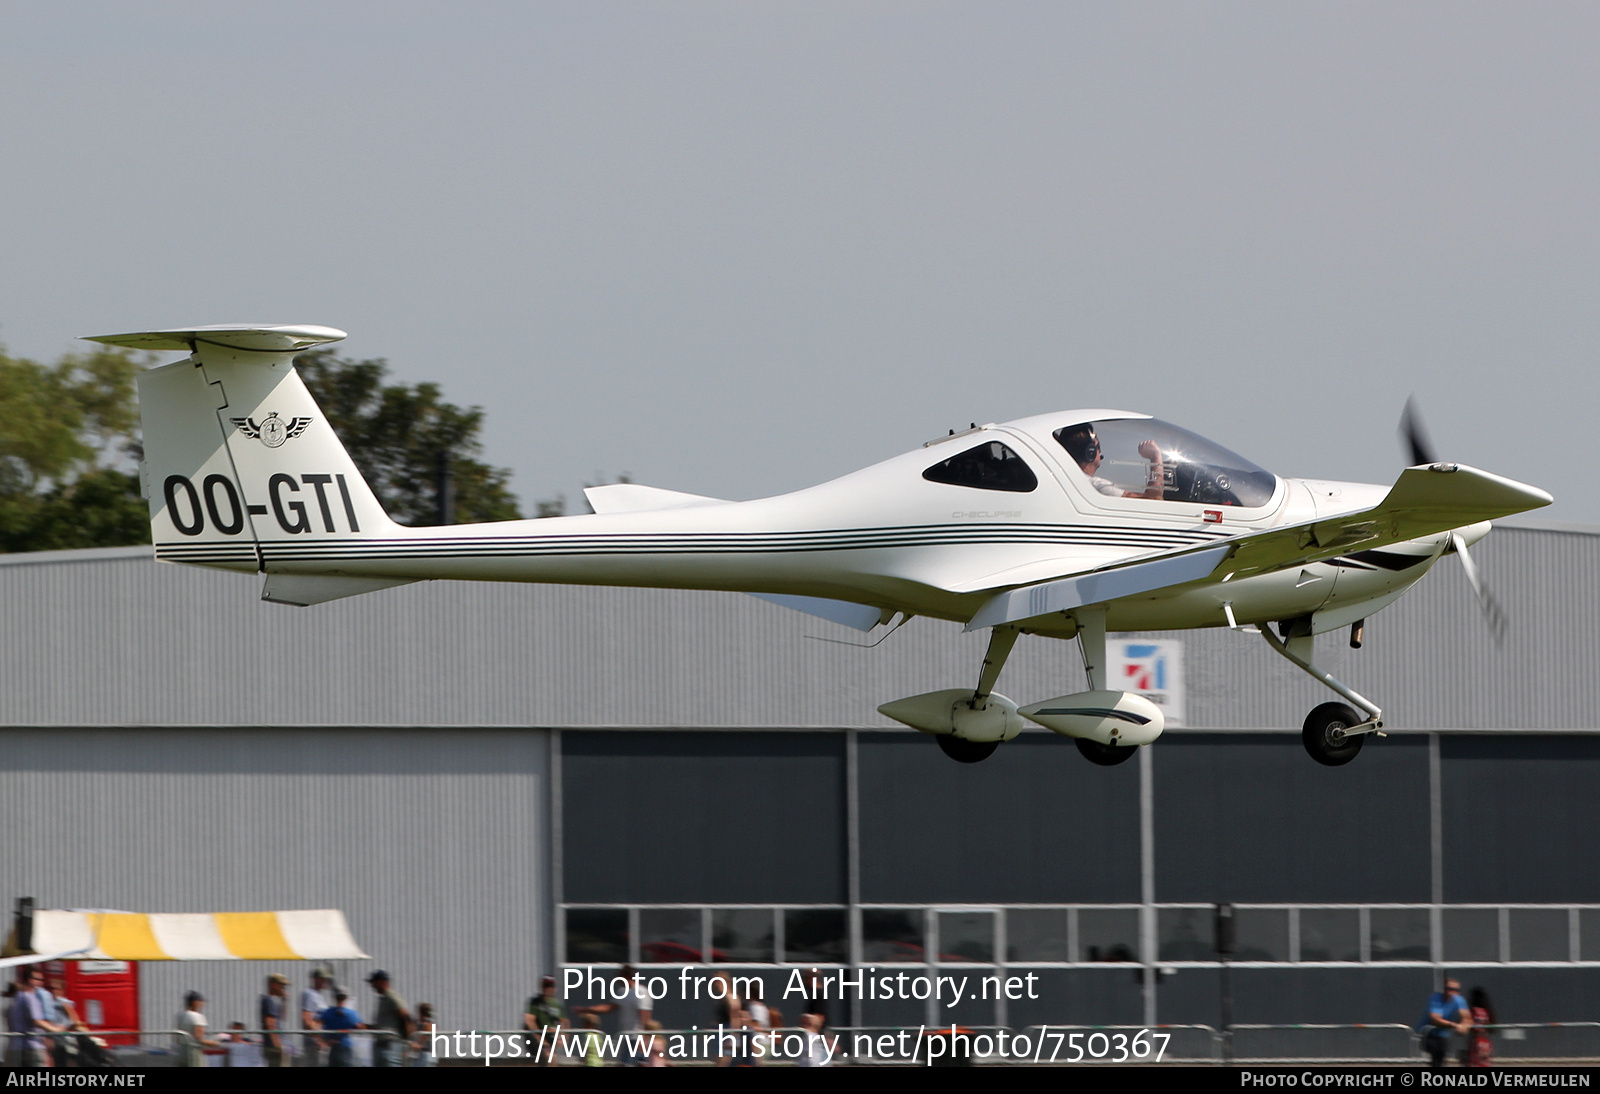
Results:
<point x="883" y="536"/>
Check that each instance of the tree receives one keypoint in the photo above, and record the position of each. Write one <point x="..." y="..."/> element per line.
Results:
<point x="396" y="434"/>
<point x="68" y="449"/>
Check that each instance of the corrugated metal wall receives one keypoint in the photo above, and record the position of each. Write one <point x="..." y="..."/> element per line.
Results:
<point x="433" y="845"/>
<point x="111" y="638"/>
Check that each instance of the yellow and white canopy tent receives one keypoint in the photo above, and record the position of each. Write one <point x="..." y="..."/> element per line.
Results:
<point x="319" y="934"/>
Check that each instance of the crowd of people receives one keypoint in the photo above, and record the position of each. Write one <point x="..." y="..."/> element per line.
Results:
<point x="50" y="1033"/>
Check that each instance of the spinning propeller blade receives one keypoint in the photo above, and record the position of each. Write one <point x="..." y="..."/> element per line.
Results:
<point x="1419" y="447"/>
<point x="1492" y="612"/>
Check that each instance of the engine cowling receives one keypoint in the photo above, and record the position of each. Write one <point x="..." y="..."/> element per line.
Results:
<point x="1110" y="717"/>
<point x="952" y="712"/>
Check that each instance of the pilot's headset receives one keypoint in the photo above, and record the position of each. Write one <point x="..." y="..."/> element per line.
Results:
<point x="1081" y="443"/>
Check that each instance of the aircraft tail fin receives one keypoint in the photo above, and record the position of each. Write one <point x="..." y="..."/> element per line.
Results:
<point x="242" y="469"/>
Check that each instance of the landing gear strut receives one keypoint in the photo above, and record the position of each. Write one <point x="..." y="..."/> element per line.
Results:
<point x="1333" y="732"/>
<point x="960" y="749"/>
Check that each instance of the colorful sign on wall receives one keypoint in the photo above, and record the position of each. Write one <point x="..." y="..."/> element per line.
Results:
<point x="1153" y="669"/>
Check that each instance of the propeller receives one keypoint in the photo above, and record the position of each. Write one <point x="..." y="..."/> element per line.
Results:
<point x="1419" y="446"/>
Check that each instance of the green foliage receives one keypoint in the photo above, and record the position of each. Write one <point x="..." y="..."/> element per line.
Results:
<point x="67" y="436"/>
<point x="395" y="434"/>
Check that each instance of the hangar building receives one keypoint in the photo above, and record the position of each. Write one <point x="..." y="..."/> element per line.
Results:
<point x="492" y="781"/>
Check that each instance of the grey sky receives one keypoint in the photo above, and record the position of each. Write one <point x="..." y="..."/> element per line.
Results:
<point x="739" y="248"/>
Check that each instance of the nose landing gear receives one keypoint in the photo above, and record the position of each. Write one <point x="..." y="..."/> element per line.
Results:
<point x="1333" y="733"/>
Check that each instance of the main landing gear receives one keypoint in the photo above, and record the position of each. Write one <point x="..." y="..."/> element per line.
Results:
<point x="963" y="751"/>
<point x="1104" y="755"/>
<point x="1333" y="733"/>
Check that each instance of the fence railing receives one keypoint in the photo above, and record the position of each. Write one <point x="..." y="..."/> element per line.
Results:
<point x="222" y="1048"/>
<point x="1531" y="1043"/>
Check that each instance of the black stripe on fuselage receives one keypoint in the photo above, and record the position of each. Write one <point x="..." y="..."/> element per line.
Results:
<point x="700" y="542"/>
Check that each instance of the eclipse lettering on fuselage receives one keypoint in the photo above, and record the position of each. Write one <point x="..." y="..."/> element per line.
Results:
<point x="294" y="514"/>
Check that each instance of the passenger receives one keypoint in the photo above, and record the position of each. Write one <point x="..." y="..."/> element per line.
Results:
<point x="1447" y="1013"/>
<point x="633" y="1010"/>
<point x="815" y="1001"/>
<point x="655" y="1049"/>
<point x="339" y="1017"/>
<point x="393" y="1016"/>
<point x="1083" y="445"/>
<point x="82" y="1051"/>
<point x="270" y="1019"/>
<point x="26" y="1016"/>
<point x="816" y="1051"/>
<point x="544" y="1011"/>
<point x="313" y="1001"/>
<point x="422" y="1040"/>
<point x="591" y="1041"/>
<point x="1480" y="1049"/>
<point x="192" y="1024"/>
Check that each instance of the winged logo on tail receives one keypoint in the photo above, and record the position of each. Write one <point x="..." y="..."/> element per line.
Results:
<point x="274" y="430"/>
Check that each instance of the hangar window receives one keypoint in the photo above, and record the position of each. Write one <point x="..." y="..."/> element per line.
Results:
<point x="1538" y="934"/>
<point x="667" y="935"/>
<point x="597" y="935"/>
<point x="966" y="936"/>
<point x="1108" y="934"/>
<point x="892" y="934"/>
<point x="990" y="466"/>
<point x="1330" y="934"/>
<point x="1037" y="934"/>
<point x="741" y="935"/>
<point x="1400" y="934"/>
<point x="1589" y="934"/>
<point x="815" y="934"/>
<point x="1262" y="934"/>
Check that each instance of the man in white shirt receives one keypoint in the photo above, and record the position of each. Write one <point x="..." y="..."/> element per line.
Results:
<point x="313" y="1001"/>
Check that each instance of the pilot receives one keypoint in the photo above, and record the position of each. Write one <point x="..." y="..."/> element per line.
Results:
<point x="1083" y="446"/>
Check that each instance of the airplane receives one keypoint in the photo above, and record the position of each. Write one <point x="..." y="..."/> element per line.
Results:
<point x="1066" y="525"/>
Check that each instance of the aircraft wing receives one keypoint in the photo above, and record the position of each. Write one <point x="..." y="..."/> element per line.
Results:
<point x="1424" y="501"/>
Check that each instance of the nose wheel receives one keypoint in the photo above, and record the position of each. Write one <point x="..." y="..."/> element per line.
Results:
<point x="964" y="751"/>
<point x="1325" y="737"/>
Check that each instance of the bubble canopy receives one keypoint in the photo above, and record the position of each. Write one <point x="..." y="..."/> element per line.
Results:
<point x="1158" y="461"/>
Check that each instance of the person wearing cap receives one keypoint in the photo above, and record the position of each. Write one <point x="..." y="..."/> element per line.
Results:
<point x="543" y="1010"/>
<point x="393" y="1016"/>
<point x="192" y="1024"/>
<point x="339" y="1017"/>
<point x="270" y="1018"/>
<point x="313" y="1001"/>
